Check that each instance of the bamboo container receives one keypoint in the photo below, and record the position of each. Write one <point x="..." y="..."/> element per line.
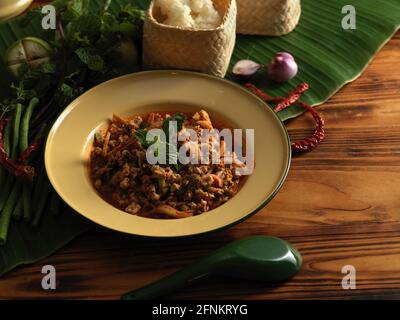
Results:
<point x="268" y="17"/>
<point x="208" y="51"/>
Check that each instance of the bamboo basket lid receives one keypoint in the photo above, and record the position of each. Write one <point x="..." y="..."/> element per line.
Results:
<point x="12" y="8"/>
<point x="207" y="51"/>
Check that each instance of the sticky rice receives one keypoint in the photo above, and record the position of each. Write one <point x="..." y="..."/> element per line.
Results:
<point x="196" y="14"/>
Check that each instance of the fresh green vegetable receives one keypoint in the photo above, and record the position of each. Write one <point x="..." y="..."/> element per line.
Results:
<point x="7" y="180"/>
<point x="160" y="146"/>
<point x="5" y="191"/>
<point x="89" y="46"/>
<point x="24" y="136"/>
<point x="29" y="52"/>
<point x="41" y="133"/>
<point x="15" y="136"/>
<point x="26" y="199"/>
<point x="18" y="211"/>
<point x="38" y="186"/>
<point x="41" y="201"/>
<point x="140" y="136"/>
<point x="23" y="145"/>
<point x="7" y="137"/>
<point x="171" y="152"/>
<point x="27" y="188"/>
<point x="179" y="118"/>
<point x="99" y="138"/>
<point x="40" y="195"/>
<point x="7" y="211"/>
<point x="6" y="145"/>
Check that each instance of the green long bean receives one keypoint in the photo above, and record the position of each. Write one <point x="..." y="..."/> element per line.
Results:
<point x="6" y="146"/>
<point x="41" y="133"/>
<point x="23" y="145"/>
<point x="18" y="211"/>
<point x="5" y="216"/>
<point x="23" y="141"/>
<point x="38" y="186"/>
<point x="16" y="124"/>
<point x="11" y="147"/>
<point x="42" y="200"/>
<point x="12" y="188"/>
<point x="8" y="183"/>
<point x="5" y="191"/>
<point x="7" y="138"/>
<point x="27" y="201"/>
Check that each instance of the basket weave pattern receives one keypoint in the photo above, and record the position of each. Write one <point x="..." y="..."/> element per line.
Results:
<point x="268" y="17"/>
<point x="207" y="51"/>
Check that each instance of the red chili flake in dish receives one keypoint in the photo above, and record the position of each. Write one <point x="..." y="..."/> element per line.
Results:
<point x="16" y="168"/>
<point x="282" y="103"/>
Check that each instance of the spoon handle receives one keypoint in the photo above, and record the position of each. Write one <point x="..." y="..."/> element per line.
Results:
<point x="172" y="282"/>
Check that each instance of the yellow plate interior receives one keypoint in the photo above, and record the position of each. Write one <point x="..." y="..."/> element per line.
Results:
<point x="70" y="140"/>
<point x="12" y="8"/>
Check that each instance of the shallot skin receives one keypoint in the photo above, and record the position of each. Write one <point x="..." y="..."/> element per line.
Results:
<point x="246" y="68"/>
<point x="282" y="68"/>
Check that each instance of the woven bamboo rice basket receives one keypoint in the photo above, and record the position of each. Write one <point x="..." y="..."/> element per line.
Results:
<point x="267" y="17"/>
<point x="207" y="51"/>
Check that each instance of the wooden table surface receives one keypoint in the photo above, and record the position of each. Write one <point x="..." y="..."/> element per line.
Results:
<point x="339" y="206"/>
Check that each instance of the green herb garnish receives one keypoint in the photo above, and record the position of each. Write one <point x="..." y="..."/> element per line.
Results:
<point x="89" y="46"/>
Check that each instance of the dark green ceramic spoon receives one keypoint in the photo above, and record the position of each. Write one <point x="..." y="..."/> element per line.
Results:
<point x="257" y="258"/>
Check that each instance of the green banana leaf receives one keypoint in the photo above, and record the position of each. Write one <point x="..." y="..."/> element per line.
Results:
<point x="26" y="244"/>
<point x="328" y="57"/>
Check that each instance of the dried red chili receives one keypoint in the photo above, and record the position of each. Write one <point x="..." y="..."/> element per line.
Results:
<point x="263" y="95"/>
<point x="306" y="144"/>
<point x="24" y="157"/>
<point x="293" y="97"/>
<point x="14" y="167"/>
<point x="312" y="142"/>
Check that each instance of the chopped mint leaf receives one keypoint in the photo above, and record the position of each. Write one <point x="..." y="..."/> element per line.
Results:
<point x="94" y="61"/>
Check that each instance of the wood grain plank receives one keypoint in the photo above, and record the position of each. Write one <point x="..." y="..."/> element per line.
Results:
<point x="340" y="205"/>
